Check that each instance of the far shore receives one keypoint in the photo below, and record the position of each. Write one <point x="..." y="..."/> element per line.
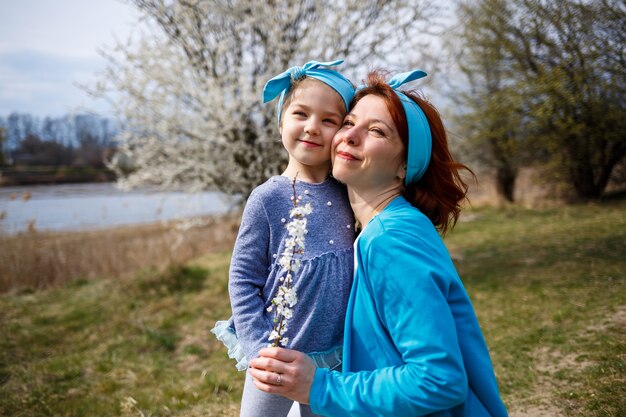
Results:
<point x="12" y="176"/>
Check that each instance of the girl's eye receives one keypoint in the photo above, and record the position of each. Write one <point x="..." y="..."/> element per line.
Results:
<point x="299" y="113"/>
<point x="330" y="121"/>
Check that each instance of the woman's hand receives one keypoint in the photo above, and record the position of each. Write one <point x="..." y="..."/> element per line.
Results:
<point x="284" y="372"/>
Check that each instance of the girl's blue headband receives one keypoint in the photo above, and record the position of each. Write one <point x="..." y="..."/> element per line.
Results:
<point x="420" y="138"/>
<point x="281" y="83"/>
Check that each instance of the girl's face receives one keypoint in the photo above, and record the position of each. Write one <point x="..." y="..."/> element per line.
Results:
<point x="367" y="150"/>
<point x="309" y="123"/>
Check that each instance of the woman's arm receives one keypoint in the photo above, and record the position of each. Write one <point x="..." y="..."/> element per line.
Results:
<point x="409" y="279"/>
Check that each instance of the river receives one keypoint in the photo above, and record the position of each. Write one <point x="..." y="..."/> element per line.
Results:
<point x="71" y="207"/>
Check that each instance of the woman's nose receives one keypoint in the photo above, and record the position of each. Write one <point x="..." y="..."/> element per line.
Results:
<point x="348" y="136"/>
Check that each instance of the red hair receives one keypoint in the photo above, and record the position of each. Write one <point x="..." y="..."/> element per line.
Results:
<point x="440" y="192"/>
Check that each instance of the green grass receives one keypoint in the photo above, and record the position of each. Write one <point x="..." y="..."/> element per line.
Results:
<point x="85" y="348"/>
<point x="548" y="287"/>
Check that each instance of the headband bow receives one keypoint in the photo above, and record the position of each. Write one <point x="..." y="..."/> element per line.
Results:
<point x="280" y="84"/>
<point x="420" y="137"/>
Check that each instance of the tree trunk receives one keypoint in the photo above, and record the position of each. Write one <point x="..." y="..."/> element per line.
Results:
<point x="589" y="185"/>
<point x="505" y="181"/>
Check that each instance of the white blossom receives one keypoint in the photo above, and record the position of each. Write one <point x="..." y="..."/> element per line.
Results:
<point x="291" y="298"/>
<point x="274" y="335"/>
<point x="290" y="261"/>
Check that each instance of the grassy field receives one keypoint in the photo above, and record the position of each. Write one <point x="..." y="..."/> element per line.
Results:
<point x="548" y="287"/>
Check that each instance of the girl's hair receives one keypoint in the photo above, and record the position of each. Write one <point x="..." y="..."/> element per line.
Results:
<point x="440" y="192"/>
<point x="295" y="84"/>
<point x="289" y="95"/>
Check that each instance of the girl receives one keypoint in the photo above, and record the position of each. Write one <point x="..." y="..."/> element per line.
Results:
<point x="313" y="102"/>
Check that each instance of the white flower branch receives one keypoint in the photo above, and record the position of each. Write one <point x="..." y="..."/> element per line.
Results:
<point x="290" y="262"/>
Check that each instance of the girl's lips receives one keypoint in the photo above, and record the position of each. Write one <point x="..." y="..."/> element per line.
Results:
<point x="307" y="143"/>
<point x="347" y="155"/>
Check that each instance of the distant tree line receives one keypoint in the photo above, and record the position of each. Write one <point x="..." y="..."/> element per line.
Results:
<point x="79" y="140"/>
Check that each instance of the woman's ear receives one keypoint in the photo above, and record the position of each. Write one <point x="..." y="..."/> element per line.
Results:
<point x="401" y="174"/>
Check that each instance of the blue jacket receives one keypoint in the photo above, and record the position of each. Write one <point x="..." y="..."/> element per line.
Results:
<point x="412" y="343"/>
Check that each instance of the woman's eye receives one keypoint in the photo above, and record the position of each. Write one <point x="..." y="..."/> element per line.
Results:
<point x="347" y="123"/>
<point x="377" y="131"/>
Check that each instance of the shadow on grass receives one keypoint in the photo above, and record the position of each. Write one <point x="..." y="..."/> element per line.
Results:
<point x="176" y="279"/>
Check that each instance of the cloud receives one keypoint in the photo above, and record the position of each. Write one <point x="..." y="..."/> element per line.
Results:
<point x="44" y="83"/>
<point x="47" y="47"/>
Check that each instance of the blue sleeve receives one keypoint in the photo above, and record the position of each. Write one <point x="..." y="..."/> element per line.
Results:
<point x="408" y="282"/>
<point x="249" y="269"/>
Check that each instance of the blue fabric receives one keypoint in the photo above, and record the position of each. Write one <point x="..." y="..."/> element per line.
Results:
<point x="224" y="331"/>
<point x="280" y="84"/>
<point x="324" y="280"/>
<point x="412" y="342"/>
<point x="420" y="137"/>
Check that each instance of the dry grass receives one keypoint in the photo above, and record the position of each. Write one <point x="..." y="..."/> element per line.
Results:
<point x="36" y="260"/>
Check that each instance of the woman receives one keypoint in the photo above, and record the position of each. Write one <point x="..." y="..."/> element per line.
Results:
<point x="412" y="343"/>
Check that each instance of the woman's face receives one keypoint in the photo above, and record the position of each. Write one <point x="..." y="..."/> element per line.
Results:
<point x="367" y="150"/>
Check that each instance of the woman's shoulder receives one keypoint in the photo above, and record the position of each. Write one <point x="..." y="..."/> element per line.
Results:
<point x="405" y="238"/>
<point x="401" y="218"/>
<point x="400" y="224"/>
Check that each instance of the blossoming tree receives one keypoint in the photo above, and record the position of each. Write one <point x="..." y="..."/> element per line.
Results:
<point x="188" y="92"/>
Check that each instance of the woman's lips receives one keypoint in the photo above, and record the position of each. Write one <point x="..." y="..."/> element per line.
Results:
<point x="347" y="155"/>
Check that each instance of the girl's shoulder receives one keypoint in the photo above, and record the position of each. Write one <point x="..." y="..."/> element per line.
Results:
<point x="274" y="188"/>
<point x="280" y="188"/>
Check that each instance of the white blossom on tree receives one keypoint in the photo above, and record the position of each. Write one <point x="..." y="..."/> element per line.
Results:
<point x="189" y="93"/>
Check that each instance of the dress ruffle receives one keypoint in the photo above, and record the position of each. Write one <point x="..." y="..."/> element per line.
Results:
<point x="224" y="331"/>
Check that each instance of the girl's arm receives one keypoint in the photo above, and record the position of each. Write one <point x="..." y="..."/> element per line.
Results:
<point x="249" y="269"/>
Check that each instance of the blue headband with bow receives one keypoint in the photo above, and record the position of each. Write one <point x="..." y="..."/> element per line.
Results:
<point x="281" y="83"/>
<point x="420" y="138"/>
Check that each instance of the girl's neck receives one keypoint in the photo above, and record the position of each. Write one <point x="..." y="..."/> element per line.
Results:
<point x="307" y="173"/>
<point x="366" y="204"/>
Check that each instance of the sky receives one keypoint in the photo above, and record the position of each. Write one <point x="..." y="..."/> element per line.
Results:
<point x="48" y="46"/>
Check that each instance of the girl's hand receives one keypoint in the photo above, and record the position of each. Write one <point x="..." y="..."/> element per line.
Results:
<point x="284" y="372"/>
